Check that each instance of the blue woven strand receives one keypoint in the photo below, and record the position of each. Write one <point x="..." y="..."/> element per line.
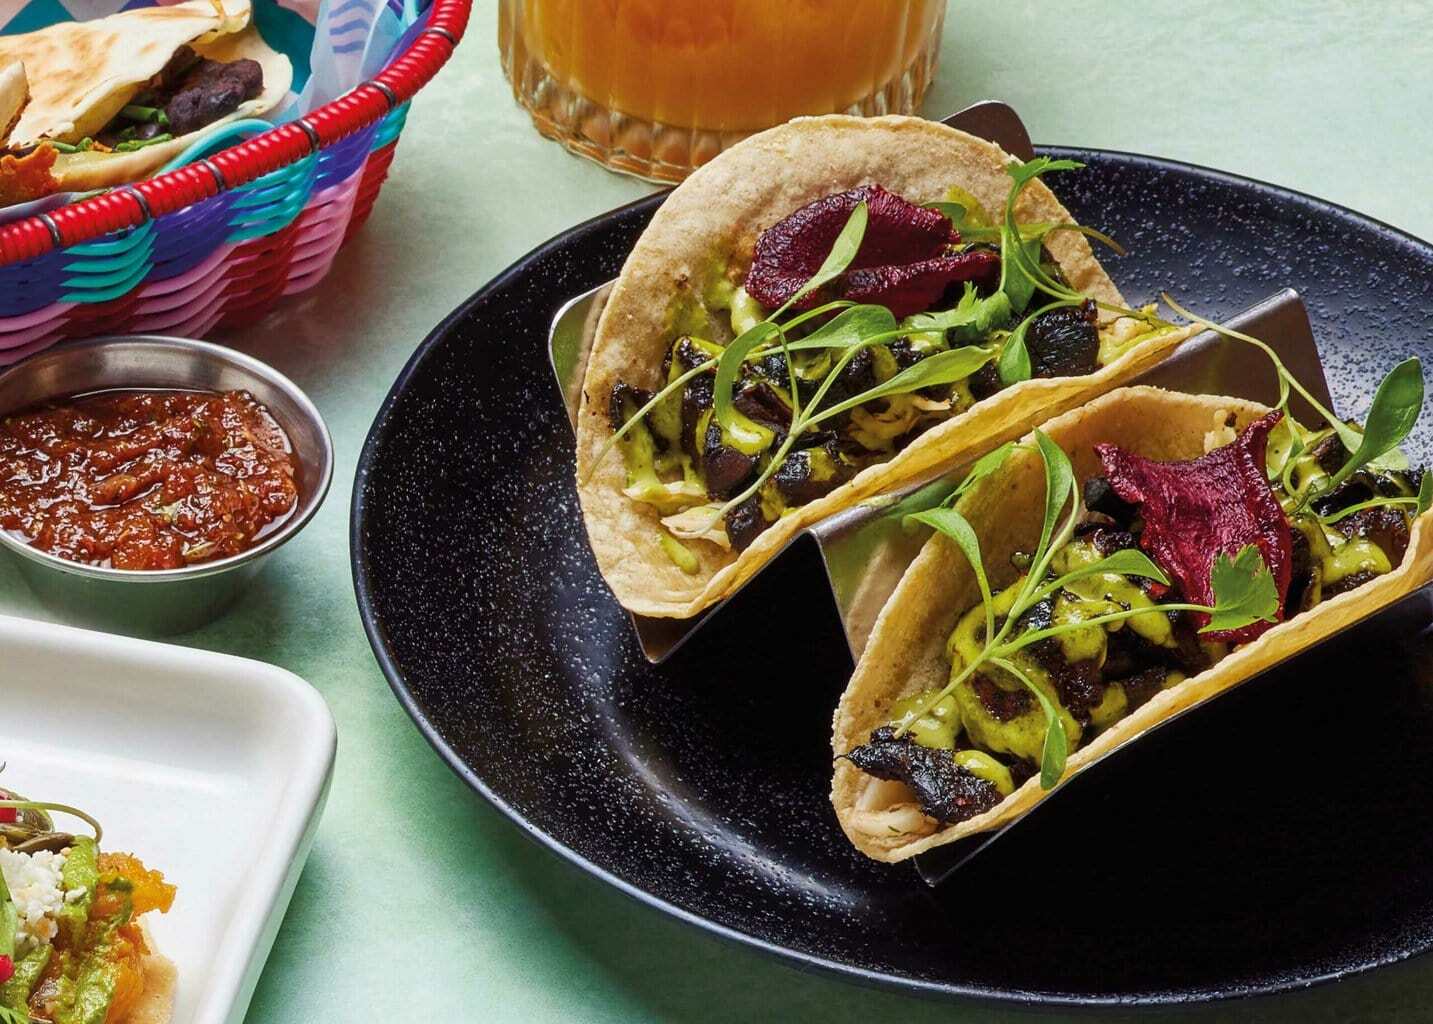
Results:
<point x="186" y="238"/>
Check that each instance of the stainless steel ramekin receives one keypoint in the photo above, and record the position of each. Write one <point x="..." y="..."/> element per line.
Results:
<point x="163" y="601"/>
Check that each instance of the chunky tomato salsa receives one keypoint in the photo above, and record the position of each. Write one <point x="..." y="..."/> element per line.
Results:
<point x="145" y="479"/>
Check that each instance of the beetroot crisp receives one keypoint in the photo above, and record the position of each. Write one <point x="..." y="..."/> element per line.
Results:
<point x="904" y="262"/>
<point x="1218" y="503"/>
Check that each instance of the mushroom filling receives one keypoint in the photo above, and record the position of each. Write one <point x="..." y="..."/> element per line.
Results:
<point x="925" y="320"/>
<point x="961" y="751"/>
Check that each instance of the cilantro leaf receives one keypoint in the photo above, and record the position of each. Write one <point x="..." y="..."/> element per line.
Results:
<point x="1244" y="591"/>
<point x="962" y="313"/>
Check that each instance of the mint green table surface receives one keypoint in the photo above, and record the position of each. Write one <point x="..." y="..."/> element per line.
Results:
<point x="420" y="903"/>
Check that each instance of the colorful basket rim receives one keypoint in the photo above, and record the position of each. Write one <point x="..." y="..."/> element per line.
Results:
<point x="130" y="206"/>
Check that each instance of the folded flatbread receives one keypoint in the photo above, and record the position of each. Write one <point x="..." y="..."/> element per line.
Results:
<point x="66" y="83"/>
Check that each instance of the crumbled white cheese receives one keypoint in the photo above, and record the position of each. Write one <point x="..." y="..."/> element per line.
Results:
<point x="34" y="883"/>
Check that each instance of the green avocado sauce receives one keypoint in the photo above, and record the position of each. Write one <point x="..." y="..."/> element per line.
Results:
<point x="989" y="722"/>
<point x="666" y="466"/>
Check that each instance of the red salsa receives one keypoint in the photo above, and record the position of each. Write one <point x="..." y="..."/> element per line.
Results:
<point x="145" y="479"/>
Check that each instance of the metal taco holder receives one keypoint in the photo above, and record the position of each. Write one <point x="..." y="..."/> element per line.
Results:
<point x="864" y="550"/>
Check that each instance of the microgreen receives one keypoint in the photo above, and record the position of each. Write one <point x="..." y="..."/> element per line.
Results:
<point x="728" y="370"/>
<point x="1059" y="483"/>
<point x="987" y="465"/>
<point x="955" y="526"/>
<point x="1416" y="501"/>
<point x="1287" y="380"/>
<point x="1244" y="590"/>
<point x="1395" y="408"/>
<point x="849" y="327"/>
<point x="1056" y="748"/>
<point x="843" y="251"/>
<point x="1014" y="362"/>
<point x="942" y="368"/>
<point x="1125" y="562"/>
<point x="10" y="1016"/>
<point x="1020" y="271"/>
<point x="1425" y="492"/>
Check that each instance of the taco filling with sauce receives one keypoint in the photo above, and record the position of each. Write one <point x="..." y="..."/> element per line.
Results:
<point x="858" y="379"/>
<point x="72" y="947"/>
<point x="822" y="358"/>
<point x="1121" y="604"/>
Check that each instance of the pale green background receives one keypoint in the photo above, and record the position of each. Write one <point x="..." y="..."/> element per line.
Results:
<point x="422" y="904"/>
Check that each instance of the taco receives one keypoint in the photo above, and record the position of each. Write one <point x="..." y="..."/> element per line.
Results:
<point x="1127" y="561"/>
<point x="73" y="947"/>
<point x="104" y="102"/>
<point x="826" y="310"/>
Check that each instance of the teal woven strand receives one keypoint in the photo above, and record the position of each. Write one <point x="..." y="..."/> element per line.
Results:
<point x="392" y="125"/>
<point x="109" y="267"/>
<point x="271" y="203"/>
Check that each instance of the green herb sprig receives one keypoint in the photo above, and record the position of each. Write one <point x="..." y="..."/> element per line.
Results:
<point x="1244" y="589"/>
<point x="858" y="327"/>
<point x="40" y="805"/>
<point x="1396" y="406"/>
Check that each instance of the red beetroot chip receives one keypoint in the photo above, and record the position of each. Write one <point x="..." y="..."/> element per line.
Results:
<point x="1219" y="503"/>
<point x="789" y="253"/>
<point x="915" y="287"/>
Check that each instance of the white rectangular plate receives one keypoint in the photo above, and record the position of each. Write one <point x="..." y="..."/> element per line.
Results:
<point x="210" y="768"/>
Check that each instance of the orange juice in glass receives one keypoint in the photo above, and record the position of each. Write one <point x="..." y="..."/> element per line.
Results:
<point x="658" y="87"/>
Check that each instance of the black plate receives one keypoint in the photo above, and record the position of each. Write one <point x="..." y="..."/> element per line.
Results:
<point x="1277" y="837"/>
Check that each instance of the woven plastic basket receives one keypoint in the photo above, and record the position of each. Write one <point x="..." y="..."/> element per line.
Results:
<point x="216" y="242"/>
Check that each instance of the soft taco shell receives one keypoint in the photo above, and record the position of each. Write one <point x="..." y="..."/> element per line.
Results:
<point x="906" y="652"/>
<point x="709" y="226"/>
<point x="82" y="72"/>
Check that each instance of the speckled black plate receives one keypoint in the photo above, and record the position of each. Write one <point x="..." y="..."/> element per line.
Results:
<point x="1276" y="837"/>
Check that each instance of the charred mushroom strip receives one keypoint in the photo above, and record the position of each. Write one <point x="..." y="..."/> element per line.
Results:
<point x="946" y="791"/>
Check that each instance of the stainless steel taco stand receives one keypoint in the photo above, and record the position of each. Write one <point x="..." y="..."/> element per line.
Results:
<point x="865" y="550"/>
